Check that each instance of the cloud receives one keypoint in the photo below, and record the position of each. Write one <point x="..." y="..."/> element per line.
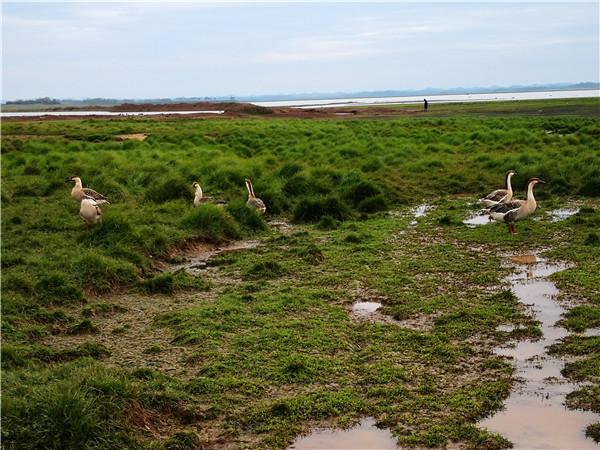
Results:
<point x="356" y="42"/>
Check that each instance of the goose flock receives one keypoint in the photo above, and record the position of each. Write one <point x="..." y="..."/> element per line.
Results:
<point x="90" y="200"/>
<point x="503" y="208"/>
<point x="500" y="203"/>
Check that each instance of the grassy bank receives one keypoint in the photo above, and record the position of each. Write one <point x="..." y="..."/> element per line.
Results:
<point x="112" y="353"/>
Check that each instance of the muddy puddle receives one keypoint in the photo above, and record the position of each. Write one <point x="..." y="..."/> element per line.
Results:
<point x="365" y="308"/>
<point x="420" y="211"/>
<point x="556" y="215"/>
<point x="591" y="332"/>
<point x="534" y="416"/>
<point x="365" y="436"/>
<point x="197" y="259"/>
<point x="477" y="218"/>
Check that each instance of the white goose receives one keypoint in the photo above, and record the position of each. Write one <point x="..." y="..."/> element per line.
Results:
<point x="89" y="210"/>
<point x="198" y="195"/>
<point x="254" y="202"/>
<point x="80" y="193"/>
<point x="500" y="195"/>
<point x="516" y="210"/>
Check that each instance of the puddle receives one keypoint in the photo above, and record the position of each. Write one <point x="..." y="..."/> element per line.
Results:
<point x="196" y="262"/>
<point x="420" y="211"/>
<point x="365" y="308"/>
<point x="556" y="215"/>
<point x="534" y="415"/>
<point x="476" y="219"/>
<point x="365" y="436"/>
<point x="508" y="328"/>
<point x="523" y="259"/>
<point x="591" y="332"/>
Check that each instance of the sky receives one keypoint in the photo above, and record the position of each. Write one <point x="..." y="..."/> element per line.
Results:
<point x="196" y="49"/>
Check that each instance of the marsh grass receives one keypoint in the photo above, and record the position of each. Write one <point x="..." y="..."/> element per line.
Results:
<point x="274" y="351"/>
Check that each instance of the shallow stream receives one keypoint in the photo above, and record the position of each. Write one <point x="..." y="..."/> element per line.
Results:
<point x="534" y="416"/>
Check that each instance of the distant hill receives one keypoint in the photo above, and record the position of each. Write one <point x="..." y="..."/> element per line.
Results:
<point x="313" y="95"/>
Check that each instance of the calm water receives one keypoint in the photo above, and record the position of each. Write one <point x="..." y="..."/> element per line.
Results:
<point x="101" y="113"/>
<point x="363" y="436"/>
<point x="365" y="308"/>
<point x="335" y="102"/>
<point x="534" y="416"/>
<point x="476" y="218"/>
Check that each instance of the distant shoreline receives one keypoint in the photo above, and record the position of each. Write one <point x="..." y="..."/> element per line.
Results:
<point x="289" y="108"/>
<point x="316" y="97"/>
<point x="441" y="98"/>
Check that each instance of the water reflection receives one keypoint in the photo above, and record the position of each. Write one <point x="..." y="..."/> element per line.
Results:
<point x="365" y="436"/>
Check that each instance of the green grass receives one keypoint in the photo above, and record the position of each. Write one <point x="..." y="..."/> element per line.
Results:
<point x="262" y="347"/>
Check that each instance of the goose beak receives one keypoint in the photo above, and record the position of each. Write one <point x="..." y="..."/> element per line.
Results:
<point x="67" y="180"/>
<point x="541" y="181"/>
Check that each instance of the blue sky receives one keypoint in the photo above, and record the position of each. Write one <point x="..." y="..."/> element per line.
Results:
<point x="141" y="50"/>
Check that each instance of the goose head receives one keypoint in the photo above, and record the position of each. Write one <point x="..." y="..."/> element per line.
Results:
<point x="195" y="184"/>
<point x="510" y="173"/>
<point x="249" y="187"/>
<point x="535" y="180"/>
<point x="74" y="178"/>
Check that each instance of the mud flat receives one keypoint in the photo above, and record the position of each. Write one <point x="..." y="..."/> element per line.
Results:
<point x="534" y="416"/>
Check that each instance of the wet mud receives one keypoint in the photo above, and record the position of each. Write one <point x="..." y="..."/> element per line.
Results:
<point x="196" y="260"/>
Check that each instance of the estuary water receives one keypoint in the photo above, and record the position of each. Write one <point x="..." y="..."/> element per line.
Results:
<point x="101" y="113"/>
<point x="450" y="98"/>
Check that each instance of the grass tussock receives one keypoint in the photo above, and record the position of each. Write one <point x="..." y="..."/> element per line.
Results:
<point x="211" y="223"/>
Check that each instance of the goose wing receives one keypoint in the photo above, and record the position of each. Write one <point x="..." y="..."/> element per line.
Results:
<point x="505" y="208"/>
<point x="93" y="194"/>
<point x="506" y="211"/>
<point x="257" y="203"/>
<point x="497" y="196"/>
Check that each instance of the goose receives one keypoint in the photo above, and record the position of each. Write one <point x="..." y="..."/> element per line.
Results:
<point x="516" y="210"/>
<point x="500" y="195"/>
<point x="89" y="210"/>
<point x="254" y="202"/>
<point x="80" y="193"/>
<point x="198" y="196"/>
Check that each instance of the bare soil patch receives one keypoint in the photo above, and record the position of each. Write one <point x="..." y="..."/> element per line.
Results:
<point x="131" y="137"/>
